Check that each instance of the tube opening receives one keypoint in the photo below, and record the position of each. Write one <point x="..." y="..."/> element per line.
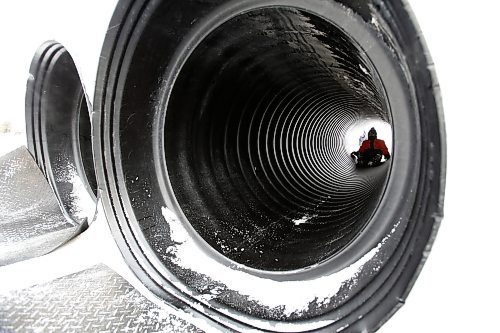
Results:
<point x="257" y="137"/>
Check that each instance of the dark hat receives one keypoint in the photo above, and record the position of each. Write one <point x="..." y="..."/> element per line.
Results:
<point x="372" y="134"/>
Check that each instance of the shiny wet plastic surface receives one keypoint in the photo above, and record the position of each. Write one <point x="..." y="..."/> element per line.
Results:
<point x="31" y="220"/>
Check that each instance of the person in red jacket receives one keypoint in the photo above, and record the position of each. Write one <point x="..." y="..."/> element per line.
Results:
<point x="371" y="151"/>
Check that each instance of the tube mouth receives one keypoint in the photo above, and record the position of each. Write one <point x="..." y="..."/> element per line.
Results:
<point x="219" y="110"/>
<point x="257" y="135"/>
<point x="59" y="131"/>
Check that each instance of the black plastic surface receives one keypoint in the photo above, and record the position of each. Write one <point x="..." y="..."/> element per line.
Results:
<point x="59" y="130"/>
<point x="149" y="165"/>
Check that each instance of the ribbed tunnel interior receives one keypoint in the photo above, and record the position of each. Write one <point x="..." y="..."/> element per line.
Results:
<point x="255" y="139"/>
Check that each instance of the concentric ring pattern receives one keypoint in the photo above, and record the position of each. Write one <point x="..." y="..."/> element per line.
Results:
<point x="255" y="139"/>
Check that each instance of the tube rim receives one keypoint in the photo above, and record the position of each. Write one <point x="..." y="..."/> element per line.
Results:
<point x="130" y="234"/>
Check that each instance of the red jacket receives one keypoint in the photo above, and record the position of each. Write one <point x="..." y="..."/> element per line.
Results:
<point x="377" y="144"/>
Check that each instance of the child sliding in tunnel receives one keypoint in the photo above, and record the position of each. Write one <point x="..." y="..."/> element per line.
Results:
<point x="371" y="151"/>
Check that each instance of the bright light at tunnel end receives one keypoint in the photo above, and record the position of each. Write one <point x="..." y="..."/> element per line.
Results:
<point x="358" y="132"/>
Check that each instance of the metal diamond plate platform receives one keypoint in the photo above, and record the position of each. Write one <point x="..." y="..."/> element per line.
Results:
<point x="94" y="300"/>
<point x="31" y="221"/>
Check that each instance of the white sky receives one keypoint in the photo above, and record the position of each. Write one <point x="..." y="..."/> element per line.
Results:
<point x="24" y="25"/>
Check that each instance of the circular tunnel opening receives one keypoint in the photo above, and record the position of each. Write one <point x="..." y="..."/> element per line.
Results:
<point x="257" y="136"/>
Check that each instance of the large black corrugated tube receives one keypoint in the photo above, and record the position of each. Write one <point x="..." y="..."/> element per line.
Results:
<point x="223" y="133"/>
<point x="255" y="139"/>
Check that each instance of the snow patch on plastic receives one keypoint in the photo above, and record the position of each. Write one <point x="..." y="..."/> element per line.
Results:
<point x="304" y="219"/>
<point x="287" y="297"/>
<point x="74" y="196"/>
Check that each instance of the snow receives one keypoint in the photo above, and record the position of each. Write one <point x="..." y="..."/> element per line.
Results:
<point x="11" y="141"/>
<point x="288" y="297"/>
<point x="303" y="219"/>
<point x="363" y="68"/>
<point x="83" y="205"/>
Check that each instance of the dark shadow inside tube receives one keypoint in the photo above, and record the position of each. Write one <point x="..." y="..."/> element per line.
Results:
<point x="85" y="145"/>
<point x="256" y="139"/>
